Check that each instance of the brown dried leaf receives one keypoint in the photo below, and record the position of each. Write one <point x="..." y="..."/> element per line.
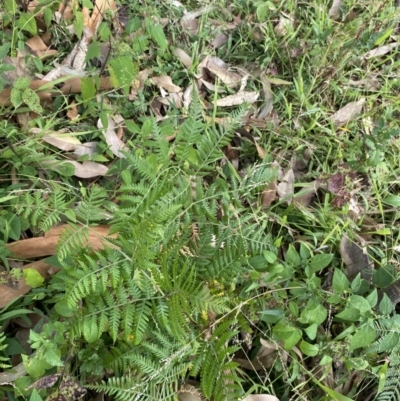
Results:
<point x="62" y="141"/>
<point x="165" y="82"/>
<point x="335" y="10"/>
<point x="285" y="188"/>
<point x="354" y="257"/>
<point x="348" y="113"/>
<point x="238" y="98"/>
<point x="380" y="51"/>
<point x="8" y="294"/>
<point x="368" y="84"/>
<point x="39" y="48"/>
<point x="269" y="194"/>
<point x="306" y="195"/>
<point x="216" y="67"/>
<point x="219" y="40"/>
<point x="115" y="144"/>
<point x="45" y="246"/>
<point x="87" y="148"/>
<point x="185" y="59"/>
<point x="72" y="112"/>
<point x="88" y="169"/>
<point x="268" y="97"/>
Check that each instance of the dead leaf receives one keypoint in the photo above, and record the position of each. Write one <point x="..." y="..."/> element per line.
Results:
<point x="189" y="393"/>
<point x="368" y="84"/>
<point x="87" y="148"/>
<point x="72" y="112"/>
<point x="219" y="40"/>
<point x="355" y="259"/>
<point x="261" y="397"/>
<point x="261" y="152"/>
<point x="306" y="195"/>
<point x="380" y="51"/>
<point x="46" y="246"/>
<point x="115" y="144"/>
<point x="285" y="188"/>
<point x="268" y="97"/>
<point x="89" y="169"/>
<point x="189" y="21"/>
<point x="238" y="98"/>
<point x="185" y="59"/>
<point x="285" y="24"/>
<point x="39" y="48"/>
<point x="335" y="10"/>
<point x="348" y="113"/>
<point x="86" y="169"/>
<point x="165" y="82"/>
<point x="269" y="194"/>
<point x="17" y="372"/>
<point x="8" y="294"/>
<point x="216" y="67"/>
<point x="62" y="141"/>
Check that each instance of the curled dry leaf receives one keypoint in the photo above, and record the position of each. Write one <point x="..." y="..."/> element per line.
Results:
<point x="216" y="67"/>
<point x="219" y="40"/>
<point x="115" y="144"/>
<point x="335" y="10"/>
<point x="285" y="188"/>
<point x="185" y="59"/>
<point x="237" y="99"/>
<point x="348" y="113"/>
<point x="165" y="82"/>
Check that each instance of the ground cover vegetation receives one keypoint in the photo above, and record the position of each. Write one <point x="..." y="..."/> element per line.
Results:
<point x="199" y="200"/>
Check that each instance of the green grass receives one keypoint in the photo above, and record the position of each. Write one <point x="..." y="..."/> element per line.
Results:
<point x="294" y="289"/>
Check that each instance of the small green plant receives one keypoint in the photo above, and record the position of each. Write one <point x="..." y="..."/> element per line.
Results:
<point x="22" y="93"/>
